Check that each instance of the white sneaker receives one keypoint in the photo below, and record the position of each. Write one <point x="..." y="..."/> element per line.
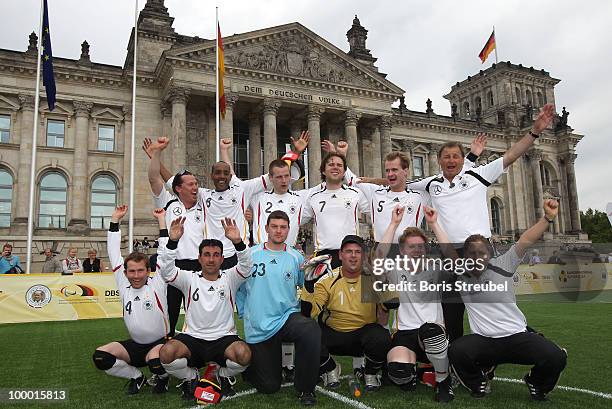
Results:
<point x="372" y="383"/>
<point x="332" y="378"/>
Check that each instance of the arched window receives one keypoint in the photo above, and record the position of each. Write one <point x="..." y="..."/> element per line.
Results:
<point x="490" y="98"/>
<point x="103" y="201"/>
<point x="478" y="103"/>
<point x="466" y="109"/>
<point x="529" y="99"/>
<point x="6" y="197"/>
<point x="53" y="194"/>
<point x="540" y="99"/>
<point x="519" y="100"/>
<point x="545" y="175"/>
<point x="495" y="217"/>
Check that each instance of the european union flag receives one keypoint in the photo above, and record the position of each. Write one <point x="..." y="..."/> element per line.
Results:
<point x="47" y="60"/>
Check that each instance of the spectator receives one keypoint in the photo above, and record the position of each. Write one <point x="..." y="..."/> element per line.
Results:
<point x="555" y="259"/>
<point x="145" y="243"/>
<point x="9" y="264"/>
<point x="51" y="264"/>
<point x="535" y="258"/>
<point x="610" y="258"/>
<point x="72" y="264"/>
<point x="92" y="264"/>
<point x="155" y="244"/>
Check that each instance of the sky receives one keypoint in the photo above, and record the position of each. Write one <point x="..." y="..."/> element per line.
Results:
<point x="424" y="46"/>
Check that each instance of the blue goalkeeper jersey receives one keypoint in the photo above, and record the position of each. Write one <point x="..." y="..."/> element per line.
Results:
<point x="269" y="295"/>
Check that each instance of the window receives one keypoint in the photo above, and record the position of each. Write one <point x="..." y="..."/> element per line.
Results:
<point x="490" y="98"/>
<point x="6" y="196"/>
<point x="5" y="128"/>
<point x="517" y="91"/>
<point x="495" y="216"/>
<point x="53" y="196"/>
<point x="241" y="150"/>
<point x="106" y="138"/>
<point x="540" y="99"/>
<point x="103" y="201"/>
<point x="545" y="175"/>
<point x="478" y="103"/>
<point x="466" y="109"/>
<point x="529" y="99"/>
<point x="55" y="133"/>
<point x="417" y="166"/>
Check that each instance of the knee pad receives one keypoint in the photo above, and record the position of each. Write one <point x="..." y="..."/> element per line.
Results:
<point x="103" y="360"/>
<point x="433" y="338"/>
<point x="156" y="367"/>
<point x="401" y="373"/>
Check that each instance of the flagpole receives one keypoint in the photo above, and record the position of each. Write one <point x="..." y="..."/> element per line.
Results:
<point x="218" y="122"/>
<point x="133" y="142"/>
<point x="34" y="133"/>
<point x="495" y="44"/>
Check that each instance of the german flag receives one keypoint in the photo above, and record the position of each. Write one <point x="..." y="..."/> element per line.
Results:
<point x="488" y="48"/>
<point x="221" y="68"/>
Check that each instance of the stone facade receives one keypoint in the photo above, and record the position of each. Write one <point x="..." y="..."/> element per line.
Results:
<point x="279" y="80"/>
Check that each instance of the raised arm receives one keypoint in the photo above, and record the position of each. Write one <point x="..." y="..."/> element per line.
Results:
<point x="535" y="232"/>
<point x="146" y="147"/>
<point x="387" y="239"/>
<point x="166" y="255"/>
<point x="113" y="240"/>
<point x="447" y="248"/>
<point x="518" y="149"/>
<point x="155" y="178"/>
<point x="243" y="252"/>
<point x="225" y="147"/>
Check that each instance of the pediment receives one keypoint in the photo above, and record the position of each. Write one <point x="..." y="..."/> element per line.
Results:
<point x="60" y="108"/>
<point x="289" y="50"/>
<point x="8" y="103"/>
<point x="107" y="113"/>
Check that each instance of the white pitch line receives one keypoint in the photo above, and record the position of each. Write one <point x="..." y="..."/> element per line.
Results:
<point x="564" y="388"/>
<point x="343" y="399"/>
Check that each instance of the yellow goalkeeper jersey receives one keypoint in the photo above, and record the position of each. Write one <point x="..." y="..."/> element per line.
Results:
<point x="339" y="300"/>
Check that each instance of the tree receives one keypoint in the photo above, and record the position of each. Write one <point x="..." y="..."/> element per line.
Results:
<point x="596" y="224"/>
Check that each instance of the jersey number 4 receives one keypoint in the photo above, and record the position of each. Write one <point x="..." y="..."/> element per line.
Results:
<point x="128" y="307"/>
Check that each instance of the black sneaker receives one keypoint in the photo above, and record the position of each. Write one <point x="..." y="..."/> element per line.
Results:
<point x="161" y="385"/>
<point x="308" y="398"/>
<point x="535" y="392"/>
<point x="135" y="384"/>
<point x="188" y="389"/>
<point x="226" y="383"/>
<point x="444" y="390"/>
<point x="288" y="374"/>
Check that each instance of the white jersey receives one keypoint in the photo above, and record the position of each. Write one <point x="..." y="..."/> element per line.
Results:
<point x="495" y="314"/>
<point x="230" y="203"/>
<point x="462" y="202"/>
<point x="209" y="305"/>
<point x="194" y="222"/>
<point x="145" y="310"/>
<point x="265" y="203"/>
<point x="335" y="214"/>
<point x="417" y="308"/>
<point x="382" y="200"/>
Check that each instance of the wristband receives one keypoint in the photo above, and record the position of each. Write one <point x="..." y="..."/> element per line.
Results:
<point x="172" y="245"/>
<point x="548" y="220"/>
<point x="239" y="246"/>
<point x="472" y="157"/>
<point x="113" y="227"/>
<point x="535" y="135"/>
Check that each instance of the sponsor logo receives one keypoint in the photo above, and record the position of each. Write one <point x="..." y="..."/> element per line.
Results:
<point x="38" y="296"/>
<point x="77" y="290"/>
<point x="437" y="190"/>
<point x="177" y="211"/>
<point x="288" y="275"/>
<point x="148" y="305"/>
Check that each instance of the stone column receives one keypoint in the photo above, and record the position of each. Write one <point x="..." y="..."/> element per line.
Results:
<point x="254" y="145"/>
<point x="25" y="158"/>
<point x="227" y="123"/>
<point x="434" y="167"/>
<point x="314" y="150"/>
<point x="385" y="138"/>
<point x="178" y="98"/>
<point x="407" y="147"/>
<point x="377" y="165"/>
<point x="572" y="190"/>
<point x="270" y="110"/>
<point x="78" y="222"/>
<point x="350" y="132"/>
<point x="535" y="156"/>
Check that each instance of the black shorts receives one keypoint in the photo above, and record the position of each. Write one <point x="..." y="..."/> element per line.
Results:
<point x="203" y="351"/>
<point x="138" y="352"/>
<point x="409" y="338"/>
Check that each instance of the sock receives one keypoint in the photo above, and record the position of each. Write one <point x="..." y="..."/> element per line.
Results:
<point x="440" y="363"/>
<point x="179" y="369"/>
<point x="231" y="369"/>
<point x="358" y="362"/>
<point x="288" y="355"/>
<point x="124" y="370"/>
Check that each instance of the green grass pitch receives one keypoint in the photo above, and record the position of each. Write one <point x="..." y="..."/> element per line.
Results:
<point x="58" y="355"/>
